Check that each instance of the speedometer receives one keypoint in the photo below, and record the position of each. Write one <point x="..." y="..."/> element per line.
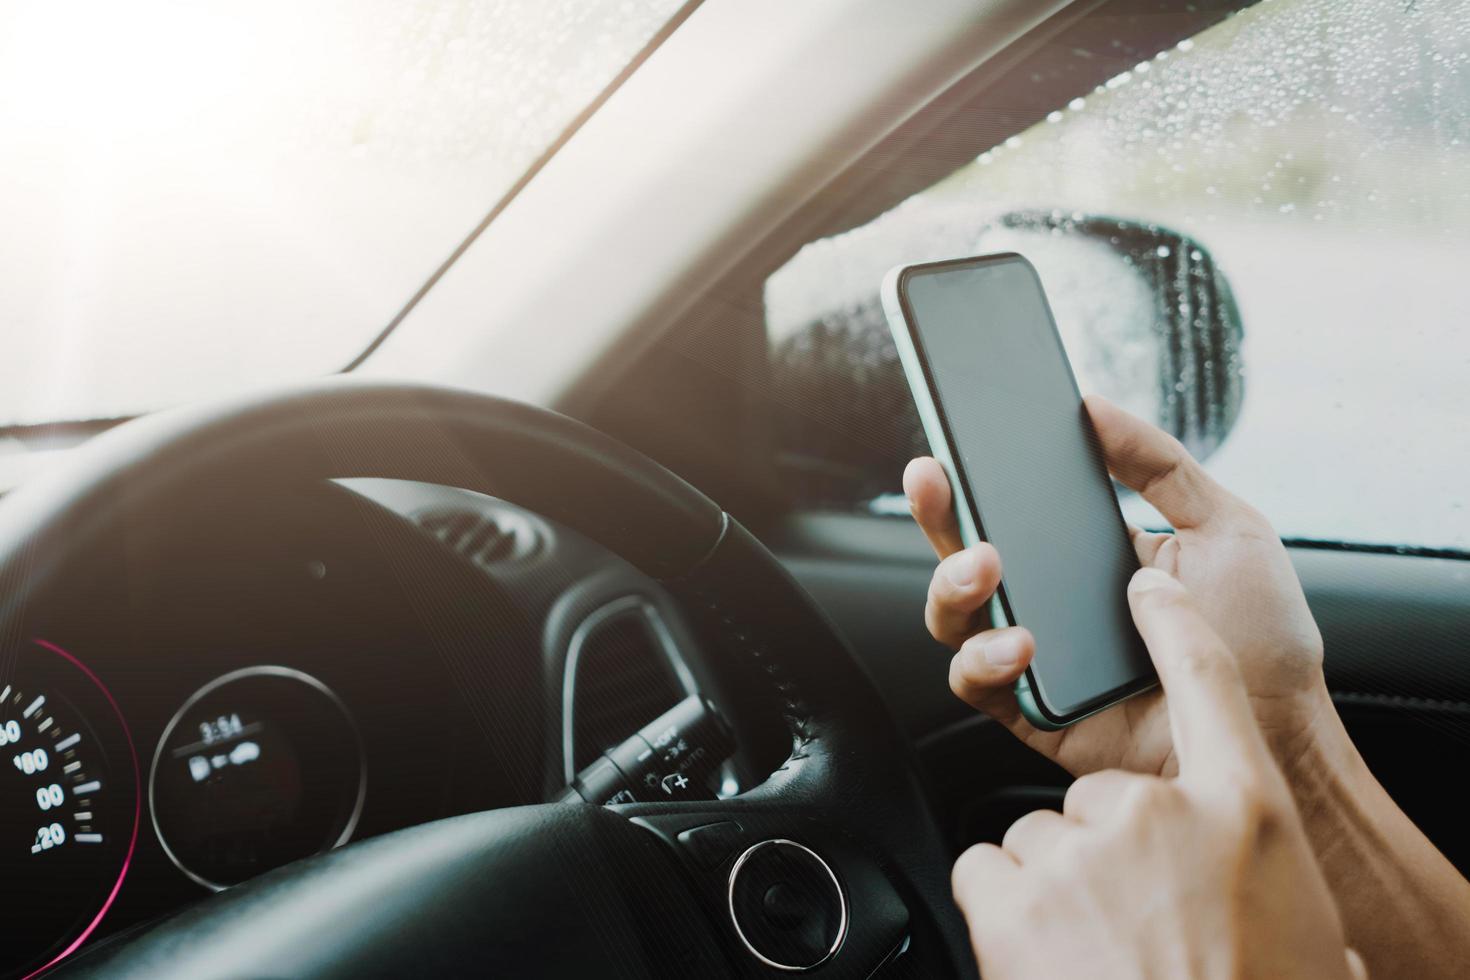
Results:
<point x="69" y="806"/>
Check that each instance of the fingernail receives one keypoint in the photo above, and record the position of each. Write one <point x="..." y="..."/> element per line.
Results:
<point x="962" y="569"/>
<point x="1002" y="650"/>
<point x="1149" y="579"/>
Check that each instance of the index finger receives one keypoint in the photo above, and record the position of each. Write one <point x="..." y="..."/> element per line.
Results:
<point x="926" y="486"/>
<point x="1147" y="459"/>
<point x="1214" y="731"/>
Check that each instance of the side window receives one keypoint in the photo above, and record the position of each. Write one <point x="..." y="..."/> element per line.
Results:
<point x="1256" y="239"/>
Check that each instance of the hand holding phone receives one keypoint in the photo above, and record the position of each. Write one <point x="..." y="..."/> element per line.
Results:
<point x="1222" y="549"/>
<point x="1004" y="416"/>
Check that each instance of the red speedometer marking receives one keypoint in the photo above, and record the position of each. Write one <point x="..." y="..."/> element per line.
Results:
<point x="137" y="804"/>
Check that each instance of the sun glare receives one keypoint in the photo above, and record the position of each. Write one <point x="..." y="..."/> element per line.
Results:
<point x="204" y="196"/>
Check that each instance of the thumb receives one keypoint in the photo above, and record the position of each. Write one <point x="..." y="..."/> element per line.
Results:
<point x="1215" y="733"/>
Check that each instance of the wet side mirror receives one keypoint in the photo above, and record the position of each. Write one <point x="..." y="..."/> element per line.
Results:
<point x="1148" y="318"/>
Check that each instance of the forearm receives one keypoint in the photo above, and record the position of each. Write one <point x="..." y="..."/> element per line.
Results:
<point x="1405" y="907"/>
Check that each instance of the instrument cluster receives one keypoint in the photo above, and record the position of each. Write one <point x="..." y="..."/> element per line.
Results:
<point x="259" y="767"/>
<point x="250" y="679"/>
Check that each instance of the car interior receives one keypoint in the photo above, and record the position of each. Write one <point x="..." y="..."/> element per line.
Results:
<point x="573" y="622"/>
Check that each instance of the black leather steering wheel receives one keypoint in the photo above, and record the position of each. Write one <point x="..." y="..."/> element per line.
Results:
<point x="553" y="890"/>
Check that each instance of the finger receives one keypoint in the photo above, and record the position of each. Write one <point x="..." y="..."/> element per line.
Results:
<point x="1147" y="459"/>
<point x="927" y="487"/>
<point x="962" y="584"/>
<point x="1091" y="798"/>
<point x="1357" y="969"/>
<point x="983" y="671"/>
<point x="1146" y="544"/>
<point x="1035" y="834"/>
<point x="1159" y="551"/>
<point x="1209" y="714"/>
<point x="1166" y="559"/>
<point x="983" y="875"/>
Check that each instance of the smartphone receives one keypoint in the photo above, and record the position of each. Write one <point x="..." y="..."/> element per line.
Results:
<point x="1005" y="418"/>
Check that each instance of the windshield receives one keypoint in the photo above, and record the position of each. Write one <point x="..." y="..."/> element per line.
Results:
<point x="201" y="197"/>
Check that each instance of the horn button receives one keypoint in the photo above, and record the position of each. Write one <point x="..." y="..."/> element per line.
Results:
<point x="787" y="905"/>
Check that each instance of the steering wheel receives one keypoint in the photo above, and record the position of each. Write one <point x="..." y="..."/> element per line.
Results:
<point x="833" y="863"/>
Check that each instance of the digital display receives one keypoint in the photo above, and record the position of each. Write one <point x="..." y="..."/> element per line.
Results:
<point x="260" y="768"/>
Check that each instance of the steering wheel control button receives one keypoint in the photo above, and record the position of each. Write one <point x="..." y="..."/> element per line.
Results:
<point x="672" y="758"/>
<point x="600" y="783"/>
<point x="689" y="740"/>
<point x="786" y="905"/>
<point x="709" y="846"/>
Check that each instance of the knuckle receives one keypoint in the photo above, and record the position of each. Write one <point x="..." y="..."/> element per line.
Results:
<point x="959" y="683"/>
<point x="1176" y="468"/>
<point x="1037" y="836"/>
<point x="967" y="877"/>
<point x="1171" y="596"/>
<point x="1203" y="660"/>
<point x="1195" y="659"/>
<point x="933" y="620"/>
<point x="940" y="587"/>
<point x="1068" y="853"/>
<point x="1130" y="445"/>
<point x="1030" y="906"/>
<point x="936" y="586"/>
<point x="1145" y="795"/>
<point x="1086" y="786"/>
<point x="1023" y="827"/>
<point x="1157" y="590"/>
<point x="967" y="683"/>
<point x="987" y="561"/>
<point x="946" y="629"/>
<point x="1077" y="792"/>
<point x="1249" y="519"/>
<point x="1139" y="797"/>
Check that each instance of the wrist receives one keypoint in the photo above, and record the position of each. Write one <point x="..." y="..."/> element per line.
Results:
<point x="1320" y="762"/>
<point x="1398" y="897"/>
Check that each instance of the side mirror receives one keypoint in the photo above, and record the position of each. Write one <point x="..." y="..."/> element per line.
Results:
<point x="1147" y="316"/>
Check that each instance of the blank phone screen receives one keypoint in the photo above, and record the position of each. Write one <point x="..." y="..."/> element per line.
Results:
<point x="1033" y="471"/>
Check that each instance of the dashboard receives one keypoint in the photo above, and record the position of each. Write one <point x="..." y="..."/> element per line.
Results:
<point x="244" y="682"/>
